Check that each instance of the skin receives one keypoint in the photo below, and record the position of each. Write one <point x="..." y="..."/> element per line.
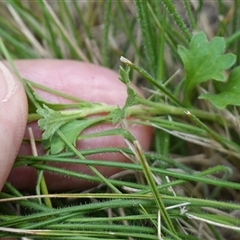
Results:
<point x="13" y="112"/>
<point x="82" y="80"/>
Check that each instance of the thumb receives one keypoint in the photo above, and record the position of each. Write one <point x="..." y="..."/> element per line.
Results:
<point x="13" y="117"/>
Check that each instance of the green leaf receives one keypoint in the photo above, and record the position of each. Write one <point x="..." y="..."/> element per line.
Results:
<point x="230" y="96"/>
<point x="71" y="130"/>
<point x="124" y="75"/>
<point x="120" y="113"/>
<point x="116" y="115"/>
<point x="51" y="121"/>
<point x="203" y="61"/>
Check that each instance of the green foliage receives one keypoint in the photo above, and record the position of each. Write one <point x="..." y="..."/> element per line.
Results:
<point x="51" y="121"/>
<point x="204" y="61"/>
<point x="230" y="92"/>
<point x="71" y="131"/>
<point x="120" y="113"/>
<point x="165" y="194"/>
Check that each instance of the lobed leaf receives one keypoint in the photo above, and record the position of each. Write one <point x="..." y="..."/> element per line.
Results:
<point x="51" y="121"/>
<point x="230" y="96"/>
<point x="120" y="113"/>
<point x="203" y="61"/>
<point x="71" y="131"/>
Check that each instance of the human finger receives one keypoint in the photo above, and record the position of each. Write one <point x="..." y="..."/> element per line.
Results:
<point x="88" y="82"/>
<point x="13" y="118"/>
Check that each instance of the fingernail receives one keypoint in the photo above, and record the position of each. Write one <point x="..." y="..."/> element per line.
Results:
<point x="7" y="83"/>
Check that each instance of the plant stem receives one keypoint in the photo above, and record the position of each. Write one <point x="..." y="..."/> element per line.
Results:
<point x="147" y="108"/>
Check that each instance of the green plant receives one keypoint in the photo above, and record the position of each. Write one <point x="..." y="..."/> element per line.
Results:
<point x="187" y="186"/>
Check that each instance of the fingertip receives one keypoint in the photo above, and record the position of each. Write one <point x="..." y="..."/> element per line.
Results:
<point x="13" y="112"/>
